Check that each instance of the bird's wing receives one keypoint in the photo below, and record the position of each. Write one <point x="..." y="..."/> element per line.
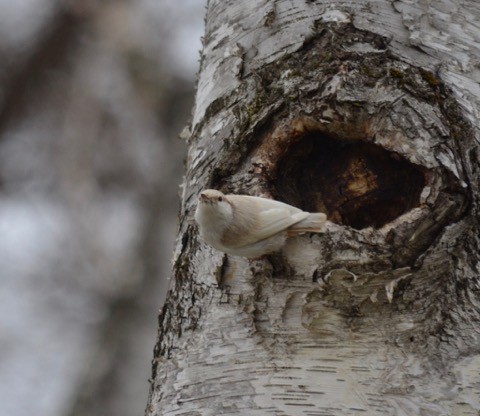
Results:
<point x="262" y="218"/>
<point x="274" y="220"/>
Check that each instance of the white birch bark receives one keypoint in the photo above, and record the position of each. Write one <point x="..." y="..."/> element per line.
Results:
<point x="367" y="110"/>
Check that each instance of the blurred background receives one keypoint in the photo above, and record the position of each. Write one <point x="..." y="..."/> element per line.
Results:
<point x="93" y="95"/>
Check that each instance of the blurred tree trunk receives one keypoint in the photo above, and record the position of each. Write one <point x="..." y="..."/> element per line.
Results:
<point x="368" y="113"/>
<point x="88" y="160"/>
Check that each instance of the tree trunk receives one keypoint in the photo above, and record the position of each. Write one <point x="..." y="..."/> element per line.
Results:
<point x="367" y="111"/>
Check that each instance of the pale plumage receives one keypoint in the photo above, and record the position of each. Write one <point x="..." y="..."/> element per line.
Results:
<point x="250" y="226"/>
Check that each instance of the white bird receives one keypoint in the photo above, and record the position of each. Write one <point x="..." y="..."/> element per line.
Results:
<point x="250" y="226"/>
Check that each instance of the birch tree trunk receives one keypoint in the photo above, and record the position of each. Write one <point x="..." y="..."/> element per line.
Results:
<point x="368" y="111"/>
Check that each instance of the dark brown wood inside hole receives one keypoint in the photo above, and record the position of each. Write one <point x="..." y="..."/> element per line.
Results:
<point x="356" y="183"/>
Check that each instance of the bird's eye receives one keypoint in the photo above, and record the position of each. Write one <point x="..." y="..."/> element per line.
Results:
<point x="220" y="199"/>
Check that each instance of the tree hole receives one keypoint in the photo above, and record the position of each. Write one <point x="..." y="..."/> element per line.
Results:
<point x="355" y="183"/>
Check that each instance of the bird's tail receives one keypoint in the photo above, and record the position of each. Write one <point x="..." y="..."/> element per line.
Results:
<point x="314" y="223"/>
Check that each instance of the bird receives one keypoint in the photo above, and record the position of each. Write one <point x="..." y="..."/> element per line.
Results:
<point x="251" y="226"/>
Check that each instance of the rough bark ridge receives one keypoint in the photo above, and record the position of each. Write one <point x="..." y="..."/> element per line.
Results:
<point x="332" y="110"/>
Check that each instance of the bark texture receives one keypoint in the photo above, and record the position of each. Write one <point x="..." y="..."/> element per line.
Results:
<point x="368" y="112"/>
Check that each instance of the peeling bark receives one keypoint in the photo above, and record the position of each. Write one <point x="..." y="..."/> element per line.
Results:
<point x="366" y="111"/>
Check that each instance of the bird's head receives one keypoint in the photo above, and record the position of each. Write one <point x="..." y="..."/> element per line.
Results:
<point x="212" y="196"/>
<point x="215" y="201"/>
